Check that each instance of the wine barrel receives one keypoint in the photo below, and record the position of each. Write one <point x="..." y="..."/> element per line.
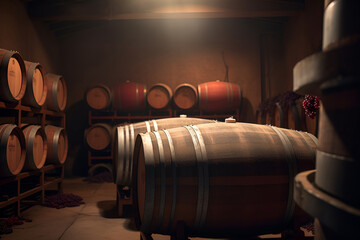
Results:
<point x="269" y="117"/>
<point x="185" y="96"/>
<point x="12" y="150"/>
<point x="57" y="142"/>
<point x="12" y="76"/>
<point x="259" y="117"/>
<point x="130" y="97"/>
<point x="217" y="96"/>
<point x="98" y="97"/>
<point x="159" y="96"/>
<point x="36" y="147"/>
<point x="219" y="179"/>
<point x="56" y="92"/>
<point x="279" y="116"/>
<point x="36" y="86"/>
<point x="124" y="140"/>
<point x="98" y="136"/>
<point x="296" y="116"/>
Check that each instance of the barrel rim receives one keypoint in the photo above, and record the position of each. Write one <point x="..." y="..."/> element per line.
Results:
<point x="29" y="97"/>
<point x="191" y="87"/>
<point x="103" y="86"/>
<point x="10" y="129"/>
<point x="3" y="75"/>
<point x="56" y="79"/>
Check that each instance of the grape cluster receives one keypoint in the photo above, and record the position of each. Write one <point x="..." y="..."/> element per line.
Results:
<point x="62" y="200"/>
<point x="311" y="104"/>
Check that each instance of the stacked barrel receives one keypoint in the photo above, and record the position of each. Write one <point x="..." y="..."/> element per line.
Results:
<point x="135" y="99"/>
<point x="25" y="86"/>
<point x="130" y="97"/>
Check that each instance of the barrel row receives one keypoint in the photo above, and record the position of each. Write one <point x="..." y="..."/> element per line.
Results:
<point x="211" y="97"/>
<point x="216" y="178"/>
<point x="29" y="147"/>
<point x="291" y="116"/>
<point x="29" y="82"/>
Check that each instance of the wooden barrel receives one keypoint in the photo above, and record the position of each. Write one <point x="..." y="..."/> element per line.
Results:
<point x="217" y="96"/>
<point x="36" y="146"/>
<point x="98" y="97"/>
<point x="296" y="116"/>
<point x="159" y="96"/>
<point x="98" y="136"/>
<point x="130" y="97"/>
<point x="12" y="150"/>
<point x="56" y="92"/>
<point x="279" y="116"/>
<point x="36" y="86"/>
<point x="57" y="142"/>
<point x="269" y="117"/>
<point x="124" y="140"/>
<point x="259" y="117"/>
<point x="12" y="76"/>
<point x="219" y="179"/>
<point x="185" y="96"/>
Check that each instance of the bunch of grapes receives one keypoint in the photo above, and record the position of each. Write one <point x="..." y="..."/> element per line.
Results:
<point x="311" y="104"/>
<point x="63" y="200"/>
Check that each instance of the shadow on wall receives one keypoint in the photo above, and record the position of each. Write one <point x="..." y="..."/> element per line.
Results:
<point x="76" y="123"/>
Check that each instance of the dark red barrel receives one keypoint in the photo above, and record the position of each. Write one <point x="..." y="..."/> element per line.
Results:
<point x="217" y="96"/>
<point x="130" y="97"/>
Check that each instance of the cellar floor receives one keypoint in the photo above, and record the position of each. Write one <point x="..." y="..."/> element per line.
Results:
<point x="94" y="220"/>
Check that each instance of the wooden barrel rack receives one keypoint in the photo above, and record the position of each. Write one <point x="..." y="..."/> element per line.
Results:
<point x="17" y="191"/>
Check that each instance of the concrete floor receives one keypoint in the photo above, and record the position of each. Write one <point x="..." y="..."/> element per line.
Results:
<point x="94" y="220"/>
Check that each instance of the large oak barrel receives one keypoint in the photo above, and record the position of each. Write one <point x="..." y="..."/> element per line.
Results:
<point x="36" y="86"/>
<point x="124" y="140"/>
<point x="217" y="96"/>
<point x="219" y="179"/>
<point x="98" y="136"/>
<point x="57" y="144"/>
<point x="98" y="97"/>
<point x="159" y="96"/>
<point x="185" y="96"/>
<point x="12" y="150"/>
<point x="130" y="97"/>
<point x="12" y="76"/>
<point x="56" y="92"/>
<point x="36" y="147"/>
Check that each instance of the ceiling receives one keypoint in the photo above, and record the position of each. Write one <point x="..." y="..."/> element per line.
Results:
<point x="64" y="16"/>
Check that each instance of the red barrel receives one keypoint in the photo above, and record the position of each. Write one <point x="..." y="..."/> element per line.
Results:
<point x="130" y="97"/>
<point x="217" y="96"/>
<point x="12" y="76"/>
